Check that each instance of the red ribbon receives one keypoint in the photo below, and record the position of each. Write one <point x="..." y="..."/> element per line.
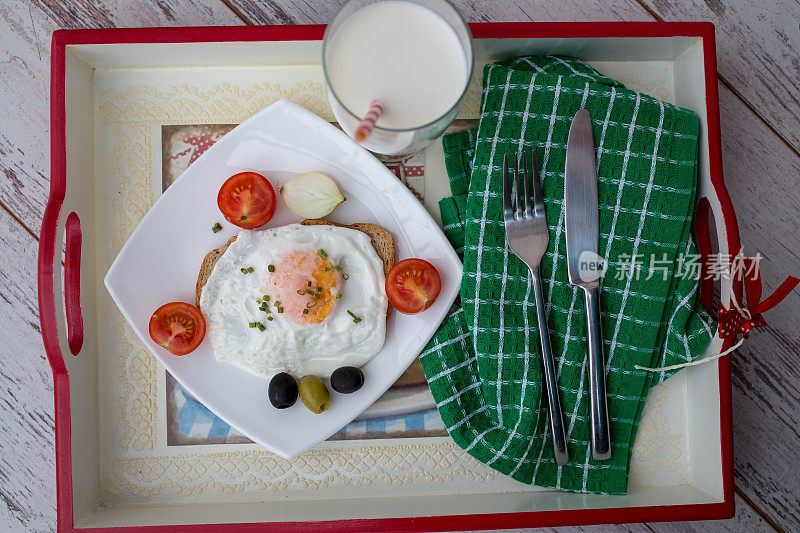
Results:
<point x="732" y="322"/>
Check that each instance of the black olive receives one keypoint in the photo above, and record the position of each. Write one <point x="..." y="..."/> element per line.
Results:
<point x="282" y="391"/>
<point x="347" y="379"/>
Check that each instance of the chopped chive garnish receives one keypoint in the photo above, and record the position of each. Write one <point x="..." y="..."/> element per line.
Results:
<point x="247" y="270"/>
<point x="309" y="291"/>
<point x="269" y="318"/>
<point x="312" y="303"/>
<point x="266" y="297"/>
<point x="345" y="277"/>
<point x="317" y="296"/>
<point x="277" y="303"/>
<point x="258" y="325"/>
<point x="301" y="291"/>
<point x="339" y="268"/>
<point x="309" y="283"/>
<point x="271" y="268"/>
<point x="280" y="309"/>
<point x="355" y="318"/>
<point x="319" y="289"/>
<point x="322" y="253"/>
<point x="217" y="227"/>
<point x="338" y="295"/>
<point x="305" y="311"/>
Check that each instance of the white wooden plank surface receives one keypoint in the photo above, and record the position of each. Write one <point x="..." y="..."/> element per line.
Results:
<point x="25" y="29"/>
<point x="758" y="52"/>
<point x="321" y="11"/>
<point x="27" y="448"/>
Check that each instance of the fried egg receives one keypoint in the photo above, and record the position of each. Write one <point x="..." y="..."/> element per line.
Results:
<point x="297" y="299"/>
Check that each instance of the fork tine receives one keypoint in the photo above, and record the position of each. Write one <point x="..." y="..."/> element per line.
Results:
<point x="526" y="191"/>
<point x="508" y="213"/>
<point x="538" y="197"/>
<point x="518" y="190"/>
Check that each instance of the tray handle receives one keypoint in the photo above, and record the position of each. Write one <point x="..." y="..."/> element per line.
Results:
<point x="703" y="220"/>
<point x="73" y="238"/>
<point x="702" y="227"/>
<point x="46" y="283"/>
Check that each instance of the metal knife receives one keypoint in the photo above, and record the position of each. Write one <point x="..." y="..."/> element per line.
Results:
<point x="584" y="265"/>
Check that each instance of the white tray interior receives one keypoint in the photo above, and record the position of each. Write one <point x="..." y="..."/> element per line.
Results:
<point x="124" y="474"/>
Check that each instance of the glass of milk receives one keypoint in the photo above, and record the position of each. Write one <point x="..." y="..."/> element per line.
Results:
<point x="413" y="56"/>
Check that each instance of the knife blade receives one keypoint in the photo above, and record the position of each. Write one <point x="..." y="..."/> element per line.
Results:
<point x="582" y="227"/>
<point x="580" y="204"/>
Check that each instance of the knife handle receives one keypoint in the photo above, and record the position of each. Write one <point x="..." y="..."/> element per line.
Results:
<point x="601" y="438"/>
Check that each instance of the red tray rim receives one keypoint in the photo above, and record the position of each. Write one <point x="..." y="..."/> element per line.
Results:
<point x="46" y="283"/>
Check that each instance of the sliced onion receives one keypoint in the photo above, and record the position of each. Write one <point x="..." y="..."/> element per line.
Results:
<point x="311" y="195"/>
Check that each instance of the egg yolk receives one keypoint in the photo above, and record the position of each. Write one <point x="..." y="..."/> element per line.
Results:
<point x="305" y="284"/>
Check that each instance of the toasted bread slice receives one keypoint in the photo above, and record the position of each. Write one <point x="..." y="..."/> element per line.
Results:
<point x="381" y="239"/>
<point x="209" y="261"/>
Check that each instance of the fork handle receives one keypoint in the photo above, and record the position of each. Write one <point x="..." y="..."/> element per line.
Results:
<point x="551" y="384"/>
<point x="601" y="438"/>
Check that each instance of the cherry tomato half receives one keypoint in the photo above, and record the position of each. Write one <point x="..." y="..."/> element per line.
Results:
<point x="177" y="326"/>
<point x="412" y="285"/>
<point x="247" y="199"/>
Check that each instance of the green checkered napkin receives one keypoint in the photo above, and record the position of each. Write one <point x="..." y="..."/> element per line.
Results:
<point x="483" y="365"/>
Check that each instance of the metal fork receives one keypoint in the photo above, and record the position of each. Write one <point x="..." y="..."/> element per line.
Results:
<point x="527" y="234"/>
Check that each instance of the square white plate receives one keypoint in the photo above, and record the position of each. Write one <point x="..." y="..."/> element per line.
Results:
<point x="160" y="262"/>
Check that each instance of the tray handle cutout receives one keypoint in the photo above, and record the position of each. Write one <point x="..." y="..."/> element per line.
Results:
<point x="73" y="239"/>
<point x="702" y="229"/>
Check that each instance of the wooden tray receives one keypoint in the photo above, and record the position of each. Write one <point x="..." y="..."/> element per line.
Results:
<point x="113" y="92"/>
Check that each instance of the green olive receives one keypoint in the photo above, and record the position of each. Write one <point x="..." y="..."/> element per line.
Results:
<point x="314" y="394"/>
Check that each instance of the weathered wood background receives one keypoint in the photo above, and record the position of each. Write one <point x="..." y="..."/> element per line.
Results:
<point x="759" y="75"/>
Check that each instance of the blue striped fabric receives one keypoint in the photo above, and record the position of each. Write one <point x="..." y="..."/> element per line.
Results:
<point x="196" y="424"/>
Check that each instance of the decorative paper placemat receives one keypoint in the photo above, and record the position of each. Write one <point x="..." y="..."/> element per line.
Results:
<point x="406" y="410"/>
<point x="138" y="114"/>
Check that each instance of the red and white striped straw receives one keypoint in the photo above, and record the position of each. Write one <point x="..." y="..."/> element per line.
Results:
<point x="365" y="128"/>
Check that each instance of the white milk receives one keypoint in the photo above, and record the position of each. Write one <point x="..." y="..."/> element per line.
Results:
<point x="402" y="54"/>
